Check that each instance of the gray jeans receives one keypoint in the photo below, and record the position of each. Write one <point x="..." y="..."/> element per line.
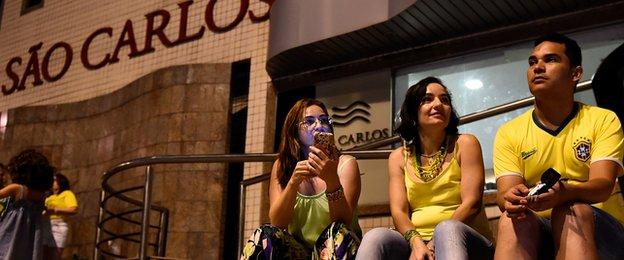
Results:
<point x="453" y="240"/>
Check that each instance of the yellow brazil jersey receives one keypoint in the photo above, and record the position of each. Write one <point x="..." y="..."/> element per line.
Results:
<point x="64" y="199"/>
<point x="524" y="147"/>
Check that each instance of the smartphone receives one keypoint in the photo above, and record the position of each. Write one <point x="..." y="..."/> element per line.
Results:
<point x="548" y="179"/>
<point x="325" y="142"/>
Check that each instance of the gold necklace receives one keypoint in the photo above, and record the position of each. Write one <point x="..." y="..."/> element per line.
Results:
<point x="436" y="160"/>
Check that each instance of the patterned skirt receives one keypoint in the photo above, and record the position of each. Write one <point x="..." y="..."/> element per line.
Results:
<point x="336" y="242"/>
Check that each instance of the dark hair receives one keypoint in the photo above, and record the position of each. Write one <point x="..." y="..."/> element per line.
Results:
<point x="62" y="182"/>
<point x="4" y="173"/>
<point x="572" y="49"/>
<point x="290" y="148"/>
<point x="408" y="126"/>
<point x="32" y="169"/>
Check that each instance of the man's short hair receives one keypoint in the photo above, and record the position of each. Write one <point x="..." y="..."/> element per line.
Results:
<point x="572" y="49"/>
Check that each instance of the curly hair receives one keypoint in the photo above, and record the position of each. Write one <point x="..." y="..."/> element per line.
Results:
<point x="3" y="175"/>
<point x="32" y="169"/>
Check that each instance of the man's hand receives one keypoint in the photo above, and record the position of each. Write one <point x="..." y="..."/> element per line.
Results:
<point x="515" y="201"/>
<point x="546" y="200"/>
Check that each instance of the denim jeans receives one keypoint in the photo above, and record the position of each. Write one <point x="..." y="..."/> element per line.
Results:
<point x="383" y="243"/>
<point x="608" y="236"/>
<point x="453" y="240"/>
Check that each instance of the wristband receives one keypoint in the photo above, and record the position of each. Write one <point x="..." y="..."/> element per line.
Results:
<point x="408" y="235"/>
<point x="335" y="195"/>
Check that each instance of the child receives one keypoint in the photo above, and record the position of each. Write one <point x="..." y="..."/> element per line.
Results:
<point x="22" y="226"/>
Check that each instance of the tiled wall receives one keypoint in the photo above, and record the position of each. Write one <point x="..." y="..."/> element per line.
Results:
<point x="369" y="223"/>
<point x="161" y="113"/>
<point x="73" y="21"/>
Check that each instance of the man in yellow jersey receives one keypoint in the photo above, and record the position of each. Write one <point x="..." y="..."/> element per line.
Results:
<point x="581" y="216"/>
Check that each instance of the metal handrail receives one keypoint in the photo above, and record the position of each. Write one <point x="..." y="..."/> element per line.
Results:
<point x="472" y="117"/>
<point x="361" y="152"/>
<point x="161" y="228"/>
<point x="108" y="192"/>
<point x="164" y="213"/>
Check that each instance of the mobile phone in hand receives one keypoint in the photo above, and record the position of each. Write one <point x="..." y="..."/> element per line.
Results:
<point x="325" y="142"/>
<point x="548" y="179"/>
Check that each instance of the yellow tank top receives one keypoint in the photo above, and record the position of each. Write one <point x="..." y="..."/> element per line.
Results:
<point x="434" y="201"/>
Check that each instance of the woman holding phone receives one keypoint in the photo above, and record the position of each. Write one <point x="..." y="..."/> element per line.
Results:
<point x="436" y="185"/>
<point x="313" y="197"/>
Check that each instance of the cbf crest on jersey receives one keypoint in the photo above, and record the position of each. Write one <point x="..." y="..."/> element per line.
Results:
<point x="582" y="149"/>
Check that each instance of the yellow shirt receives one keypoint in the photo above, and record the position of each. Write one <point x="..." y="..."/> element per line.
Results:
<point x="64" y="199"/>
<point x="435" y="201"/>
<point x="2" y="206"/>
<point x="525" y="148"/>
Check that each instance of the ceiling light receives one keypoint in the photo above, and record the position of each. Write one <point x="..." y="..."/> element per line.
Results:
<point x="473" y="84"/>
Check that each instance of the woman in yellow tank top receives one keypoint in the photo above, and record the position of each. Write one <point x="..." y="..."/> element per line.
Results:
<point x="313" y="195"/>
<point x="436" y="184"/>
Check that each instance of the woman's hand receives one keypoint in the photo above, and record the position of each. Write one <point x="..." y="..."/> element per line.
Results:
<point x="301" y="173"/>
<point x="431" y="246"/>
<point x="420" y="251"/>
<point x="322" y="166"/>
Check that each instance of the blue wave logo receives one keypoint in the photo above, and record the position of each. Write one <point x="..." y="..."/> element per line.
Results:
<point x="357" y="110"/>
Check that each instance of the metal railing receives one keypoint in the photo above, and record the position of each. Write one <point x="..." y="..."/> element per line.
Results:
<point x="476" y="116"/>
<point x="361" y="152"/>
<point x="108" y="193"/>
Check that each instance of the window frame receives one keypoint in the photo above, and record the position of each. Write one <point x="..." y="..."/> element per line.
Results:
<point x="1" y="11"/>
<point x="27" y="9"/>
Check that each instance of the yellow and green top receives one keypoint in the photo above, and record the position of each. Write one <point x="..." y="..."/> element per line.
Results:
<point x="524" y="147"/>
<point x="436" y="200"/>
<point x="311" y="215"/>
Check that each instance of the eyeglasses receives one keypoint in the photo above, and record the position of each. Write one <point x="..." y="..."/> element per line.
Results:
<point x="310" y="121"/>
